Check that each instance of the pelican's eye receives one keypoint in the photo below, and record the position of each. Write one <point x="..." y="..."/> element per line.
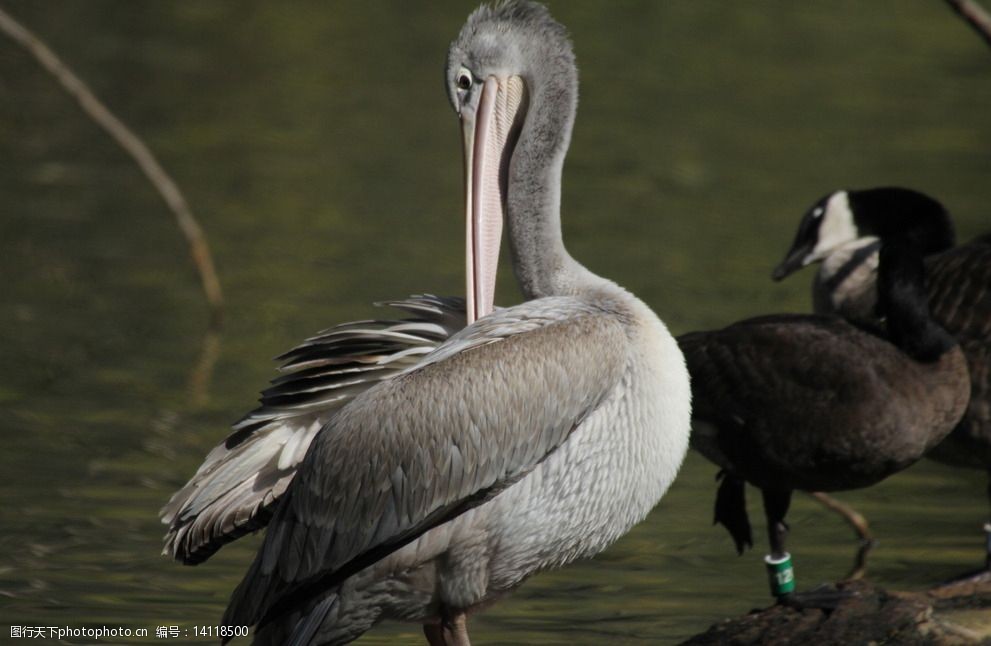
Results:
<point x="464" y="79"/>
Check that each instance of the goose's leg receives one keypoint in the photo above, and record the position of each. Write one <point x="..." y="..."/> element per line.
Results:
<point x="966" y="584"/>
<point x="776" y="505"/>
<point x="780" y="573"/>
<point x="987" y="531"/>
<point x="779" y="570"/>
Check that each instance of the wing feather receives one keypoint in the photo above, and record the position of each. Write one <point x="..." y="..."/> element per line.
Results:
<point x="233" y="492"/>
<point x="959" y="286"/>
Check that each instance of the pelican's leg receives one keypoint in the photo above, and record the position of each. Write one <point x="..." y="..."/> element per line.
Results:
<point x="456" y="630"/>
<point x="434" y="634"/>
<point x="451" y="631"/>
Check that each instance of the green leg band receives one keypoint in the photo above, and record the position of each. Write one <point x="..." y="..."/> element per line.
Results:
<point x="780" y="575"/>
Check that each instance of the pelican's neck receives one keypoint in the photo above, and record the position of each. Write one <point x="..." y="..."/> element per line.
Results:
<point x="542" y="265"/>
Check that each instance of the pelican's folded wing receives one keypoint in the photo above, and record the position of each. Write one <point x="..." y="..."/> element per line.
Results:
<point x="476" y="416"/>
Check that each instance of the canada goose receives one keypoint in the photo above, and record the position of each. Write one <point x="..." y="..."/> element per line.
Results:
<point x="958" y="286"/>
<point x="814" y="403"/>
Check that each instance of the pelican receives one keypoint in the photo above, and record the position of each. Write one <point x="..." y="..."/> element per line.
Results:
<point x="843" y="231"/>
<point x="537" y="435"/>
<point x="814" y="403"/>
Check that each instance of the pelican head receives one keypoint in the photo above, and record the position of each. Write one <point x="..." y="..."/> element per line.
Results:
<point x="506" y="62"/>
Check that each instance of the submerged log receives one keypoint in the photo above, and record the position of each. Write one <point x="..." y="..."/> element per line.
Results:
<point x="861" y="613"/>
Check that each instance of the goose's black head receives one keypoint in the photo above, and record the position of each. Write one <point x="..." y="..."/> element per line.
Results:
<point x="850" y="216"/>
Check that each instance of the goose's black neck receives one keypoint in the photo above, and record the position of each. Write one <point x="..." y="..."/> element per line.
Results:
<point x="904" y="304"/>
<point x="916" y="218"/>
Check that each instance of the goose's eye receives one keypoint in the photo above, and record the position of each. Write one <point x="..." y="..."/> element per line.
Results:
<point x="464" y="79"/>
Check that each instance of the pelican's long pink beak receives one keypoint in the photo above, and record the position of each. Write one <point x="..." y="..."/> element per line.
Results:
<point x="489" y="136"/>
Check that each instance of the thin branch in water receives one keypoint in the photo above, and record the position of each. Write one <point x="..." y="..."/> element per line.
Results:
<point x="975" y="15"/>
<point x="854" y="518"/>
<point x="202" y="373"/>
<point x="138" y="151"/>
<point x="859" y="525"/>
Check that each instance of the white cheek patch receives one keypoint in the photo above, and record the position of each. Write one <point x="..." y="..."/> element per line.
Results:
<point x="837" y="227"/>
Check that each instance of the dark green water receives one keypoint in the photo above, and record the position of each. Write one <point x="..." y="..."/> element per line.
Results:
<point x="315" y="143"/>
